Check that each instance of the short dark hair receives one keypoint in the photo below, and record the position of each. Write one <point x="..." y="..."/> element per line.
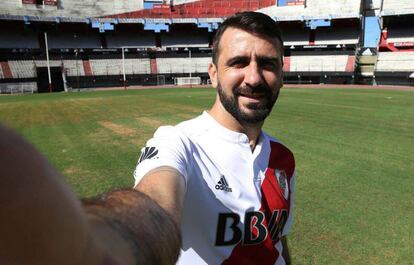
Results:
<point x="252" y="22"/>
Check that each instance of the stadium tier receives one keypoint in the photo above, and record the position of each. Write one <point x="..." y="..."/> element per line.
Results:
<point x="75" y="68"/>
<point x="397" y="7"/>
<point x="336" y="35"/>
<point x="59" y="40"/>
<point x="395" y="68"/>
<point x="396" y="47"/>
<point x="400" y="35"/>
<point x="22" y="69"/>
<point x="132" y="38"/>
<point x="180" y="39"/>
<point x="395" y="61"/>
<point x="141" y="10"/>
<point x="1" y="71"/>
<point x="182" y="65"/>
<point x="101" y="43"/>
<point x="107" y="67"/>
<point x="13" y="35"/>
<point x="299" y="37"/>
<point x="322" y="63"/>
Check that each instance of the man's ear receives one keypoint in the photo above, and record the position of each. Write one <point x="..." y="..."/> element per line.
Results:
<point x="212" y="72"/>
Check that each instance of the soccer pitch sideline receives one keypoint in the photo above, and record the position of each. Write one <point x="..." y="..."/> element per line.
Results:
<point x="354" y="150"/>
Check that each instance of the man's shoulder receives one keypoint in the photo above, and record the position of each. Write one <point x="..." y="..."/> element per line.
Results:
<point x="182" y="130"/>
<point x="193" y="126"/>
<point x="277" y="146"/>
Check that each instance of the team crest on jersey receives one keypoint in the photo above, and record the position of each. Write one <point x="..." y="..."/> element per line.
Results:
<point x="148" y="153"/>
<point x="283" y="183"/>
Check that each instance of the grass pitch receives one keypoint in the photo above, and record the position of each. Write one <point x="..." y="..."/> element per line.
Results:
<point x="354" y="151"/>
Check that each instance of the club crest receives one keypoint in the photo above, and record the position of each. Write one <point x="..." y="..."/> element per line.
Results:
<point x="283" y="183"/>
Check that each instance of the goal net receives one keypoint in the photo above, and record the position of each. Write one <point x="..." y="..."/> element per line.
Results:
<point x="182" y="81"/>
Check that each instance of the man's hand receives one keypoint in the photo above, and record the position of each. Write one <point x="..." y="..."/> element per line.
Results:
<point x="43" y="223"/>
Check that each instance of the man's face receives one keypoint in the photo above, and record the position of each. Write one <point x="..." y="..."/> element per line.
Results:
<point x="248" y="74"/>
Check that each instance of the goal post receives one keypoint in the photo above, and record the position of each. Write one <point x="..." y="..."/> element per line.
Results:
<point x="183" y="81"/>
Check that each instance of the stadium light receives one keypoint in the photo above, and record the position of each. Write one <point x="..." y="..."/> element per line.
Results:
<point x="123" y="67"/>
<point x="48" y="63"/>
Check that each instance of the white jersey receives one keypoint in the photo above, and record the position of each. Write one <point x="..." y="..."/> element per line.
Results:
<point x="238" y="203"/>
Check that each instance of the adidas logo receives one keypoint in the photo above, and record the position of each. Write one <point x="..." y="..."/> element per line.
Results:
<point x="147" y="153"/>
<point x="223" y="185"/>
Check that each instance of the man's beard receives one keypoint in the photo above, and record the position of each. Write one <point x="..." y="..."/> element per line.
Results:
<point x="258" y="112"/>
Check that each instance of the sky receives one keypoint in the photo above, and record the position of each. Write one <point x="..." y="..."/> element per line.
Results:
<point x="372" y="31"/>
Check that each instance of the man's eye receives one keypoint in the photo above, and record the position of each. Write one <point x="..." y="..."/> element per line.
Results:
<point x="238" y="64"/>
<point x="269" y="65"/>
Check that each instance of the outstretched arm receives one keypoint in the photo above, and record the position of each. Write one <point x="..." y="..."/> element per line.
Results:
<point x="166" y="186"/>
<point x="138" y="223"/>
<point x="42" y="221"/>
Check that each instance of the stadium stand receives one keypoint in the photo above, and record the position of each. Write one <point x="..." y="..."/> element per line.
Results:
<point x="396" y="48"/>
<point x="23" y="69"/>
<point x="182" y="65"/>
<point x="400" y="35"/>
<point x="106" y="67"/>
<point x="393" y="7"/>
<point x="126" y="39"/>
<point x="1" y="71"/>
<point x="336" y="35"/>
<point x="73" y="68"/>
<point x="76" y="10"/>
<point x="87" y="38"/>
<point x="316" y="9"/>
<point x="295" y="33"/>
<point x="395" y="68"/>
<point x="180" y="39"/>
<point x="16" y="36"/>
<point x="115" y="66"/>
<point x="315" y="63"/>
<point x="70" y="40"/>
<point x="5" y="70"/>
<point x="395" y="61"/>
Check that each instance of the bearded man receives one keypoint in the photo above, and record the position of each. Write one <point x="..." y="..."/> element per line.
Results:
<point x="227" y="184"/>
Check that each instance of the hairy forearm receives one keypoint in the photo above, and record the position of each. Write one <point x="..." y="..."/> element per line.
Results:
<point x="151" y="233"/>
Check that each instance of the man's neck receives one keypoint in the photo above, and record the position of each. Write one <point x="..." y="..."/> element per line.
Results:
<point x="222" y="116"/>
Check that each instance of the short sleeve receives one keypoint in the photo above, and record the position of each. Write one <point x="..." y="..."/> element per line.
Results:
<point x="168" y="147"/>
<point x="289" y="221"/>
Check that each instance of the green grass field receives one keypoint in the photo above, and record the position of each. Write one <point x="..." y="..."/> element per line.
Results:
<point x="354" y="150"/>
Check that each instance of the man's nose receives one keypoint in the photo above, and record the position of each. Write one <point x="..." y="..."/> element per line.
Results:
<point x="253" y="75"/>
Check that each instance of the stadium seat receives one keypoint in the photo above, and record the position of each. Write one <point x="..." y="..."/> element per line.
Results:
<point x="390" y="6"/>
<point x="182" y="65"/>
<point x="395" y="62"/>
<point x="23" y="69"/>
<point x="400" y="35"/>
<point x="318" y="63"/>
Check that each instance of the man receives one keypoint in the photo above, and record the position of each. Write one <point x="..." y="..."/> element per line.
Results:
<point x="224" y="181"/>
<point x="43" y="223"/>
